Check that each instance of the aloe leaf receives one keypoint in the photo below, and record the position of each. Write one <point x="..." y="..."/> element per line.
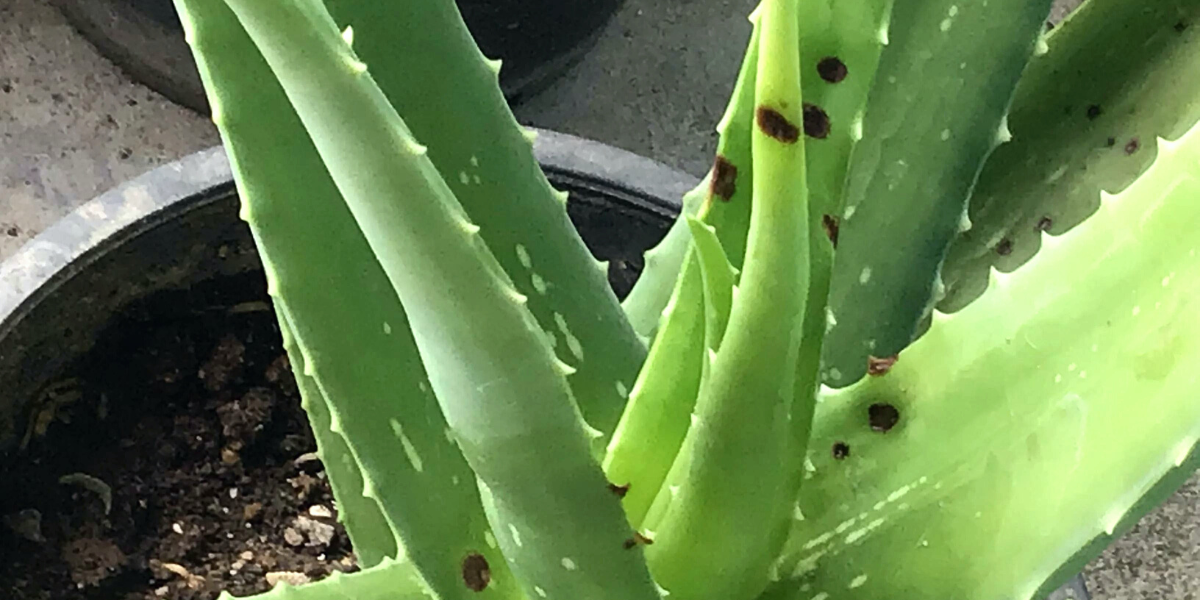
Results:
<point x="390" y="580"/>
<point x="719" y="278"/>
<point x="645" y="446"/>
<point x="502" y="389"/>
<point x="737" y="449"/>
<point x="935" y="113"/>
<point x="350" y="328"/>
<point x="1010" y="442"/>
<point x="655" y="421"/>
<point x="1118" y="74"/>
<point x="370" y="535"/>
<point x="653" y="289"/>
<point x="840" y="46"/>
<point x="424" y="60"/>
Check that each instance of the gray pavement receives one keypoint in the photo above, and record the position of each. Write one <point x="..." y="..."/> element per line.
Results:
<point x="72" y="125"/>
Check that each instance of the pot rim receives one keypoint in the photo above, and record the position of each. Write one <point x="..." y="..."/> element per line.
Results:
<point x="108" y="221"/>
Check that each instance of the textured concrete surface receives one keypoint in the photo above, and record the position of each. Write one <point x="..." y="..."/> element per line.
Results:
<point x="72" y="125"/>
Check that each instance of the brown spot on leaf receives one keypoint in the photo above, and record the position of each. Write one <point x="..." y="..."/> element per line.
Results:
<point x="777" y="126"/>
<point x="830" y="224"/>
<point x="1094" y="111"/>
<point x="724" y="181"/>
<point x="475" y="572"/>
<point x="637" y="539"/>
<point x="832" y="69"/>
<point x="1132" y="146"/>
<point x="618" y="490"/>
<point x="1110" y="142"/>
<point x="1180" y="27"/>
<point x="841" y="450"/>
<point x="880" y="366"/>
<point x="1043" y="224"/>
<point x="1004" y="248"/>
<point x="816" y="121"/>
<point x="882" y="417"/>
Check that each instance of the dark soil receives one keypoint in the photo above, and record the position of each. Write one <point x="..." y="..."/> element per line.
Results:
<point x="190" y="417"/>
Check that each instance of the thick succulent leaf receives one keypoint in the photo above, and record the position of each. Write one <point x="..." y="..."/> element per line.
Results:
<point x="370" y="535"/>
<point x="935" y="113"/>
<point x="1029" y="428"/>
<point x="390" y="580"/>
<point x="664" y="262"/>
<point x="501" y="388"/>
<point x="1118" y="74"/>
<point x="656" y="419"/>
<point x="350" y="329"/>
<point x="424" y="60"/>
<point x="734" y="485"/>
<point x="719" y="279"/>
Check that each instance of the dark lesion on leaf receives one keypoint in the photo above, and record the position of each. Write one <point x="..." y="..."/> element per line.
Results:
<point x="880" y="366"/>
<point x="618" y="490"/>
<point x="1004" y="247"/>
<point x="637" y="540"/>
<point x="724" y="179"/>
<point x="882" y="416"/>
<point x="775" y="125"/>
<point x="816" y="122"/>
<point x="832" y="69"/>
<point x="1044" y="224"/>
<point x="830" y="224"/>
<point x="1132" y="146"/>
<point x="475" y="572"/>
<point x="841" y="450"/>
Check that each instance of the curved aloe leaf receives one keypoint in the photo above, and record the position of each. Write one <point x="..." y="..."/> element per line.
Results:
<point x="736" y="450"/>
<point x="655" y="421"/>
<point x="424" y="60"/>
<point x="840" y="47"/>
<point x="1013" y="439"/>
<point x="502" y="389"/>
<point x="390" y="580"/>
<point x="651" y="293"/>
<point x="720" y="279"/>
<point x="365" y="523"/>
<point x="350" y="329"/>
<point x="935" y="113"/>
<point x="1118" y="74"/>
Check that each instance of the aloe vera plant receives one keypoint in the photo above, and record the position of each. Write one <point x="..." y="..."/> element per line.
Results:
<point x="778" y="409"/>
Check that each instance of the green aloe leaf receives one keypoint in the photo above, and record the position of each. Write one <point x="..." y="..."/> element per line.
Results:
<point x="423" y="58"/>
<point x="1118" y="74"/>
<point x="351" y="333"/>
<point x="936" y="112"/>
<point x="1015" y="438"/>
<point x="736" y="465"/>
<point x="362" y="517"/>
<point x="501" y="388"/>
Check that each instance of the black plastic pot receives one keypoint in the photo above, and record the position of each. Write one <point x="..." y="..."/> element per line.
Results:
<point x="538" y="40"/>
<point x="155" y="240"/>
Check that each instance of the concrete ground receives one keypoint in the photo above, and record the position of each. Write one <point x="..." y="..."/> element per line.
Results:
<point x="73" y="125"/>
